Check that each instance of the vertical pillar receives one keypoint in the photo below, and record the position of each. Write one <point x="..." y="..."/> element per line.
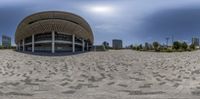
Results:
<point x="19" y="46"/>
<point x="53" y="42"/>
<point x="23" y="45"/>
<point x="16" y="47"/>
<point x="83" y="45"/>
<point x="87" y="46"/>
<point x="73" y="43"/>
<point x="33" y="43"/>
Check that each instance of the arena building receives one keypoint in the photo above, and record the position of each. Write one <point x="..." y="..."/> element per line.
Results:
<point x="54" y="31"/>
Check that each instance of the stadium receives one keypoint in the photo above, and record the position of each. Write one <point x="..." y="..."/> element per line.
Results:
<point x="54" y="31"/>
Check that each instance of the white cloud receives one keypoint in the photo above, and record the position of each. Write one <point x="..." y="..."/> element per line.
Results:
<point x="100" y="10"/>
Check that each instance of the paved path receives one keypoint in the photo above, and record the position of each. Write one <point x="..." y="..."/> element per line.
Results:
<point x="121" y="74"/>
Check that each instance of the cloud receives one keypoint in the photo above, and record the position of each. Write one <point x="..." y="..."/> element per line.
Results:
<point x="131" y="20"/>
<point x="181" y="22"/>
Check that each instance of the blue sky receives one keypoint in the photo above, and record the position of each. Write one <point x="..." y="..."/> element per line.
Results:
<point x="133" y="21"/>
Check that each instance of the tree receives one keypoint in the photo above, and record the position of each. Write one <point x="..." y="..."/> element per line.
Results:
<point x="140" y="46"/>
<point x="137" y="48"/>
<point x="184" y="45"/>
<point x="134" y="47"/>
<point x="177" y="45"/>
<point x="130" y="46"/>
<point x="106" y="44"/>
<point x="192" y="46"/>
<point x="156" y="45"/>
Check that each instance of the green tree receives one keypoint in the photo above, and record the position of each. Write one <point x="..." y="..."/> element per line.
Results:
<point x="130" y="46"/>
<point x="177" y="45"/>
<point x="156" y="45"/>
<point x="106" y="44"/>
<point x="192" y="46"/>
<point x="184" y="46"/>
<point x="134" y="47"/>
<point x="140" y="47"/>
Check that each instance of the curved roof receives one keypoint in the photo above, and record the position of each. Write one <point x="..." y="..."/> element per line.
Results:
<point x="54" y="21"/>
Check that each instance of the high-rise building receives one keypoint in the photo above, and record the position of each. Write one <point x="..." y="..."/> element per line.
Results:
<point x="6" y="41"/>
<point x="195" y="41"/>
<point x="117" y="44"/>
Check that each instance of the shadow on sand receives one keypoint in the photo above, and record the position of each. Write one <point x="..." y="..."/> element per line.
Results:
<point x="51" y="54"/>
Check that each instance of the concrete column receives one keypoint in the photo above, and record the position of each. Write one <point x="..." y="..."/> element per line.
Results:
<point x="73" y="43"/>
<point x="16" y="47"/>
<point x="53" y="42"/>
<point x="33" y="43"/>
<point x="83" y="45"/>
<point x="23" y="45"/>
<point x="19" y="46"/>
<point x="87" y="46"/>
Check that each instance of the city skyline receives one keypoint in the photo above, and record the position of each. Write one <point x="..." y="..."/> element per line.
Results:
<point x="134" y="22"/>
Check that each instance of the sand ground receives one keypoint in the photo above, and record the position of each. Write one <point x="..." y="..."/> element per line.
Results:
<point x="122" y="74"/>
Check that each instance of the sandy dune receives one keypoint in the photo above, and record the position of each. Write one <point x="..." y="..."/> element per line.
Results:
<point x="121" y="74"/>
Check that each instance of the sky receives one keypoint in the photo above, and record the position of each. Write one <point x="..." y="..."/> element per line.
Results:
<point x="133" y="21"/>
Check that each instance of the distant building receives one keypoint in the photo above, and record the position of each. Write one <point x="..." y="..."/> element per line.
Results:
<point x="6" y="41"/>
<point x="117" y="44"/>
<point x="195" y="41"/>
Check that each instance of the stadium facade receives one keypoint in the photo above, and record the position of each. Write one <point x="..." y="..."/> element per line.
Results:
<point x="54" y="31"/>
